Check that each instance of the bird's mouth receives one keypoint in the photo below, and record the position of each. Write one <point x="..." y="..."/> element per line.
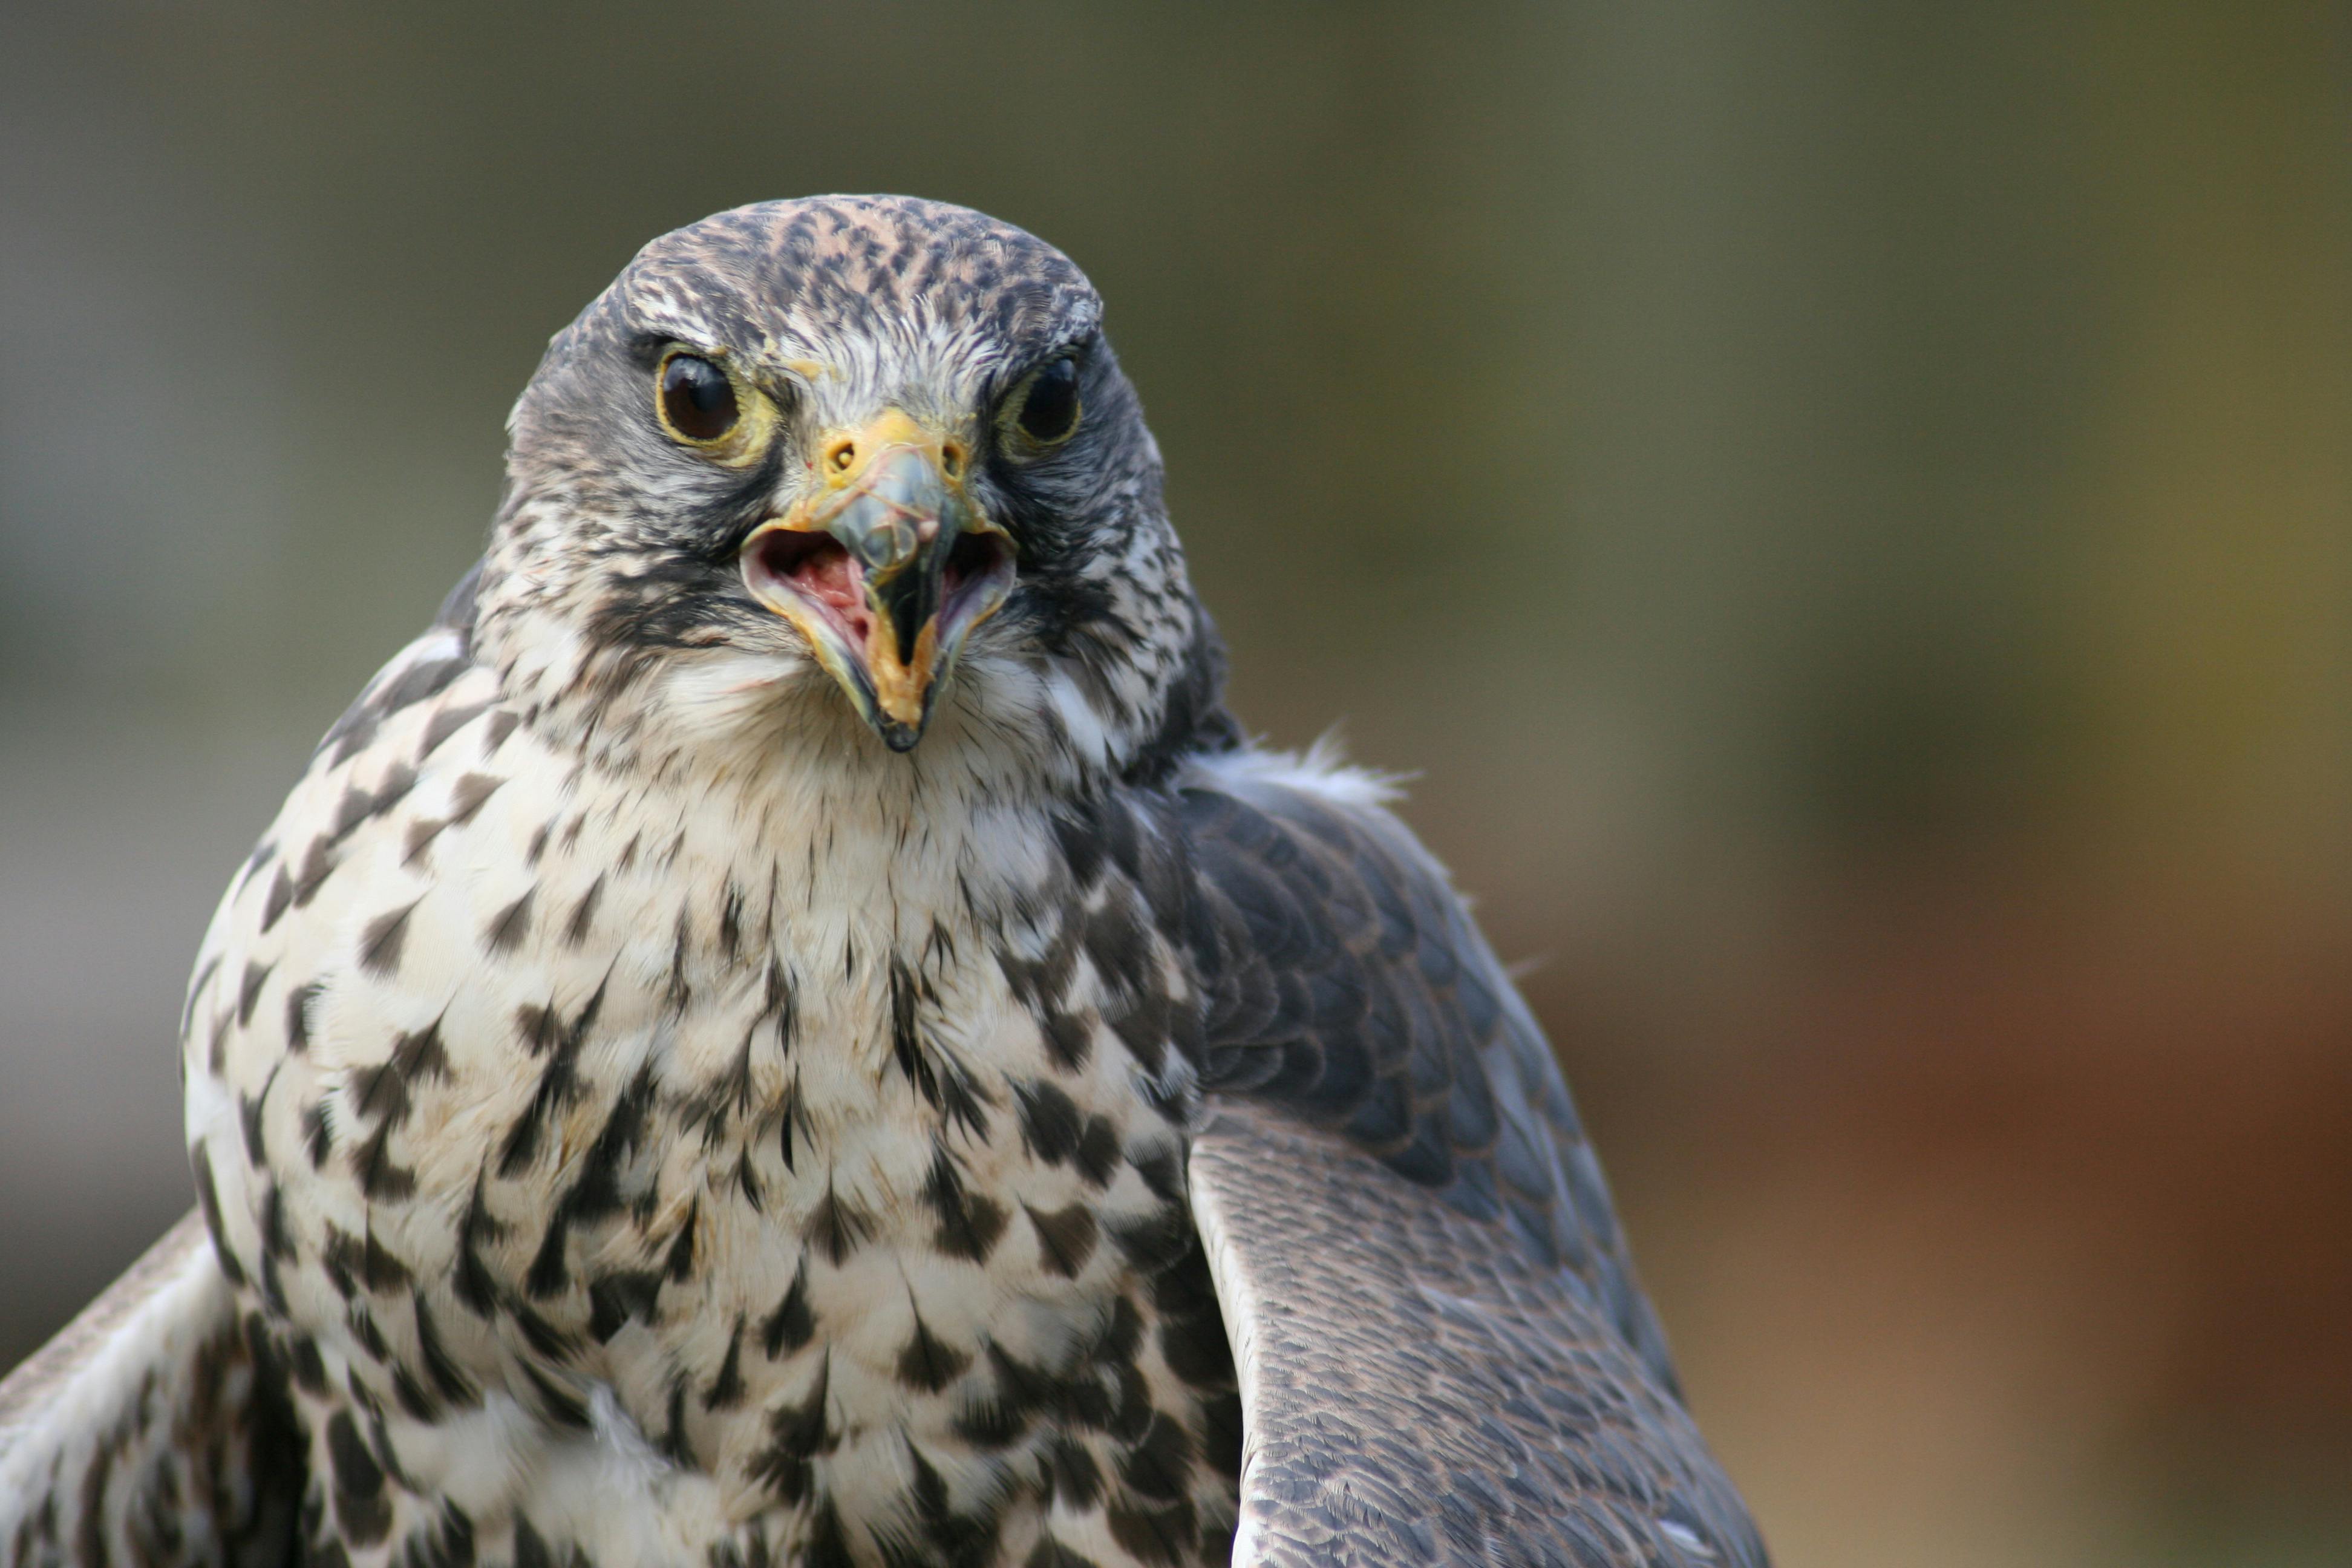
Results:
<point x="886" y="568"/>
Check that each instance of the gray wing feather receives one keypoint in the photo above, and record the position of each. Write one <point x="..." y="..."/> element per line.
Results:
<point x="1445" y="1356"/>
<point x="147" y="1431"/>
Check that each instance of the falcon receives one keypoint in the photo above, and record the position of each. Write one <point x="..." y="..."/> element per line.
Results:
<point x="791" y="1027"/>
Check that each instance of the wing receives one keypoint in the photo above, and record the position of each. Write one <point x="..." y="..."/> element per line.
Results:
<point x="1445" y="1354"/>
<point x="148" y="1431"/>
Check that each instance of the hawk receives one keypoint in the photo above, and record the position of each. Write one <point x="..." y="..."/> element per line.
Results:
<point x="791" y="1025"/>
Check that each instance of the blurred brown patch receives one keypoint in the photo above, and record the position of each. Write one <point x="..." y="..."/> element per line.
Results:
<point x="2014" y="1190"/>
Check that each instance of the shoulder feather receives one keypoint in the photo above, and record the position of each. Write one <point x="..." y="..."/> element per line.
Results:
<point x="1443" y="1351"/>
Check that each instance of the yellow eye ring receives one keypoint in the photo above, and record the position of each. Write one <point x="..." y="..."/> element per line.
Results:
<point x="1045" y="411"/>
<point x="702" y="403"/>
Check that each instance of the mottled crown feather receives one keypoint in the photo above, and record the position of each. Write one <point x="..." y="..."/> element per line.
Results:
<point x="855" y="265"/>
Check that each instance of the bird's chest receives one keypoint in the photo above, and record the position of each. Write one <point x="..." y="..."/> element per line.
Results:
<point x="823" y="1198"/>
<point x="810" y="1147"/>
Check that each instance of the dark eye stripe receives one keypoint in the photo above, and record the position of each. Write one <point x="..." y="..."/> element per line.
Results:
<point x="697" y="400"/>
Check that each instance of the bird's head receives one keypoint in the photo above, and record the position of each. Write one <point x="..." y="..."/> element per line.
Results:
<point x="846" y="472"/>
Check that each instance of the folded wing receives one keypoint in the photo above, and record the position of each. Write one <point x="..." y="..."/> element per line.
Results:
<point x="148" y="1431"/>
<point x="1445" y="1354"/>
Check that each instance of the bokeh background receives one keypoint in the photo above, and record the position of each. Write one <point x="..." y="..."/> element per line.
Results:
<point x="1846" y="509"/>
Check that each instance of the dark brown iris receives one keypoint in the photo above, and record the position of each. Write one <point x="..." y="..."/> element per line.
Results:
<point x="1050" y="412"/>
<point x="697" y="398"/>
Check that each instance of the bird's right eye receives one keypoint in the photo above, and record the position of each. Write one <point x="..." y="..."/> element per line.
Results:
<point x="698" y="401"/>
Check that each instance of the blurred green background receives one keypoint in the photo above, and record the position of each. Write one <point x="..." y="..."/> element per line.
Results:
<point x="1846" y="510"/>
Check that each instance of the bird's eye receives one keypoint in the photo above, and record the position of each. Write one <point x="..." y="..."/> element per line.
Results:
<point x="697" y="402"/>
<point x="1049" y="409"/>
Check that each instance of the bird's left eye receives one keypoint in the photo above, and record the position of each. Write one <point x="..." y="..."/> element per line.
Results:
<point x="1049" y="406"/>
<point x="698" y="401"/>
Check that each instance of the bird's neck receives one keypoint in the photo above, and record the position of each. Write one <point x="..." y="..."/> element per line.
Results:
<point x="832" y="831"/>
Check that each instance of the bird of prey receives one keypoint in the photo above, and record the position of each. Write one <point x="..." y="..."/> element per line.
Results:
<point x="791" y="1027"/>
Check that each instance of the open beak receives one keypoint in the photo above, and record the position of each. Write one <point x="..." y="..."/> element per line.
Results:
<point x="885" y="567"/>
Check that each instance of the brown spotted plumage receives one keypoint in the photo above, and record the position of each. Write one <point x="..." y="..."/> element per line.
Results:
<point x="789" y="1027"/>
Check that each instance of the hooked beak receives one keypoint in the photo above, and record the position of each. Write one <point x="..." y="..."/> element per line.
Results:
<point x="885" y="567"/>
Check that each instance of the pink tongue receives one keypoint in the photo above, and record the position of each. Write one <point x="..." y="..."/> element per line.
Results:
<point x="827" y="577"/>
